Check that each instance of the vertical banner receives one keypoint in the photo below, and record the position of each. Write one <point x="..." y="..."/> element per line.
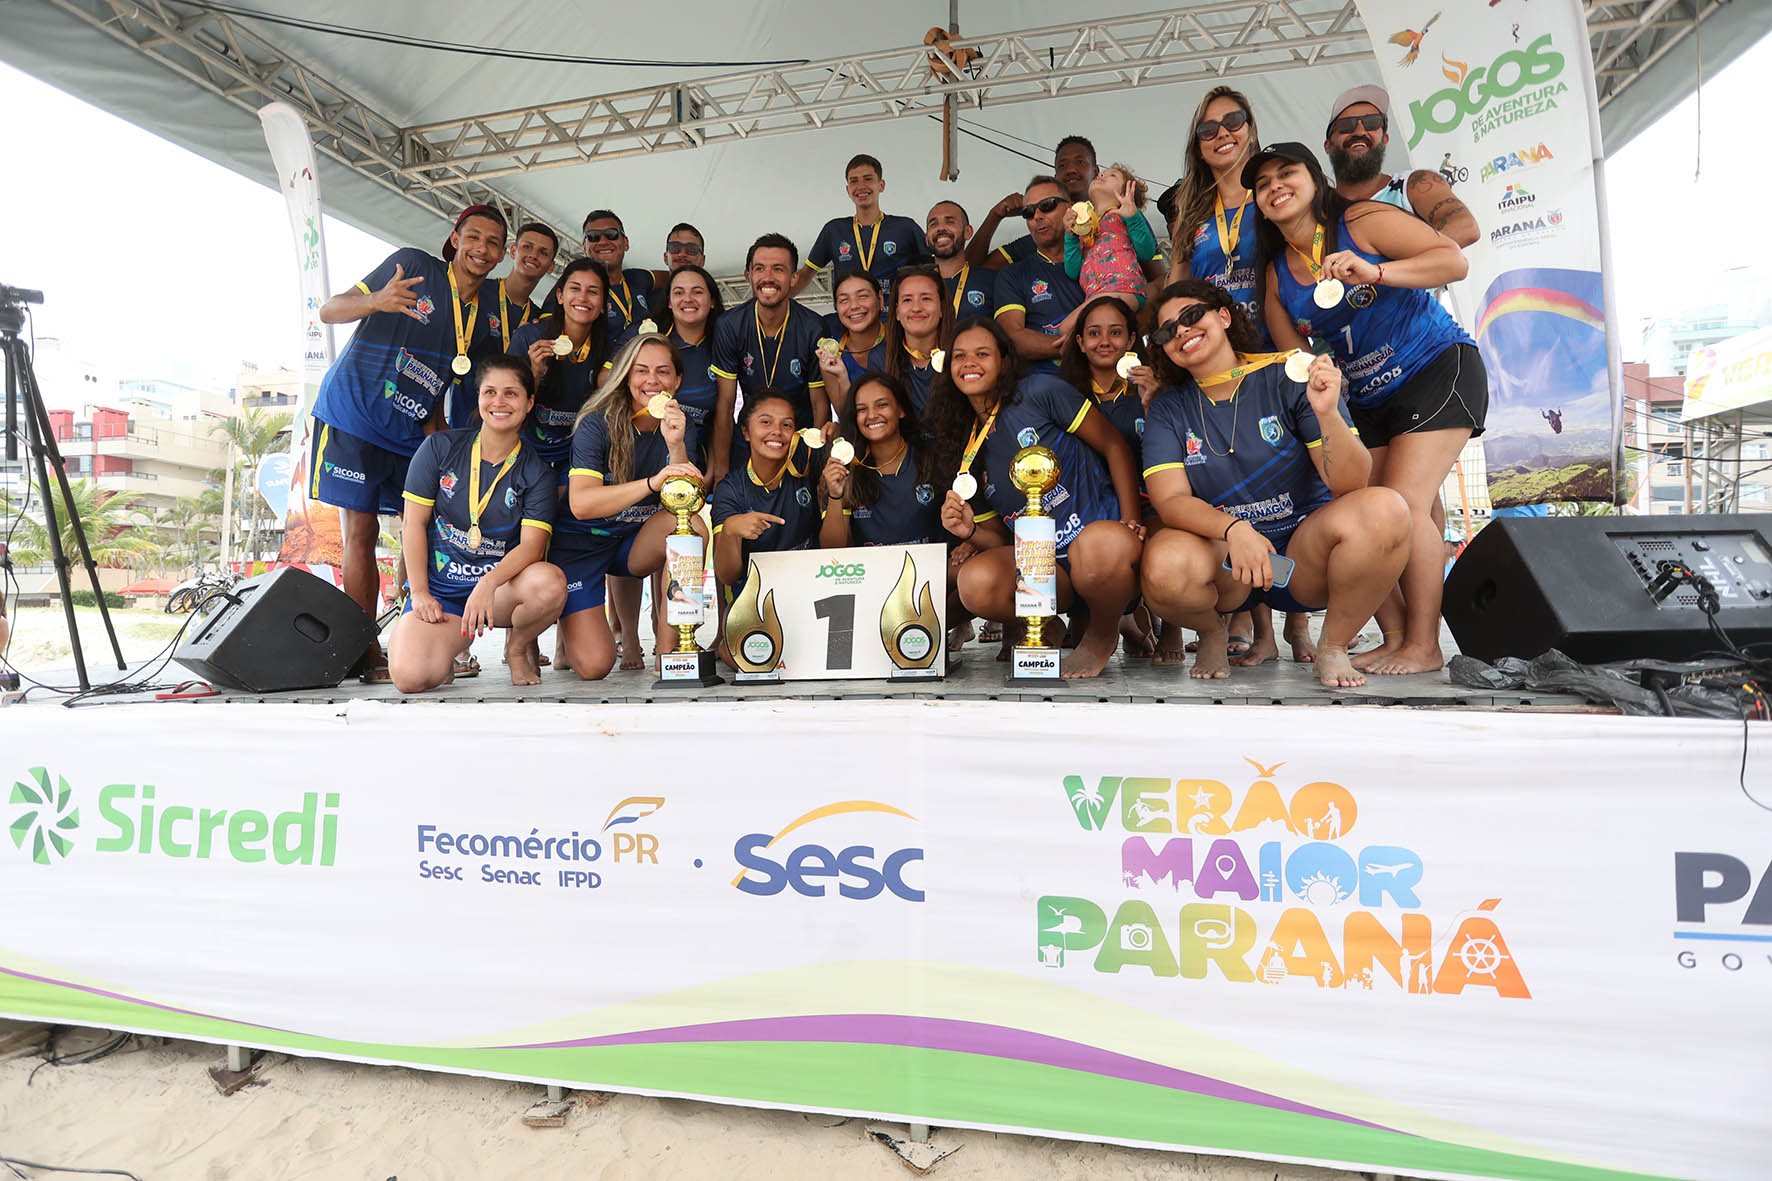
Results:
<point x="1498" y="99"/>
<point x="308" y="536"/>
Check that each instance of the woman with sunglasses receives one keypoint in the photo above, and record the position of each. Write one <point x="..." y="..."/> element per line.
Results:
<point x="982" y="412"/>
<point x="856" y="296"/>
<point x="1286" y="478"/>
<point x="921" y="319"/>
<point x="1358" y="276"/>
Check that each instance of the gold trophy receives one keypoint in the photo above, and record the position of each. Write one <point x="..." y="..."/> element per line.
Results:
<point x="685" y="555"/>
<point x="1034" y="471"/>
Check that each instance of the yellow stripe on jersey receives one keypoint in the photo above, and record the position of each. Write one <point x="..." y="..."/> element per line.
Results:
<point x="415" y="498"/>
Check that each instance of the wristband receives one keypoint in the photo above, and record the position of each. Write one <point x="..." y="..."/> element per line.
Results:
<point x="1380" y="280"/>
<point x="972" y="534"/>
<point x="649" y="488"/>
<point x="1226" y="535"/>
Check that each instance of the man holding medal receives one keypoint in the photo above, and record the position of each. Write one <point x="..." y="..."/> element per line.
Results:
<point x="969" y="288"/>
<point x="420" y="322"/>
<point x="872" y="240"/>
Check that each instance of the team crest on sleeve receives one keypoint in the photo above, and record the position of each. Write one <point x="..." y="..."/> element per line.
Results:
<point x="1028" y="436"/>
<point x="1362" y="296"/>
<point x="1270" y="429"/>
<point x="803" y="496"/>
<point x="925" y="493"/>
<point x="447" y="484"/>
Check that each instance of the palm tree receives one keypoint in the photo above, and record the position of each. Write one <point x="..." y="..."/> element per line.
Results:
<point x="107" y="517"/>
<point x="253" y="434"/>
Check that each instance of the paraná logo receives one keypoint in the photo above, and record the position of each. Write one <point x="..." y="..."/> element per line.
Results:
<point x="46" y="826"/>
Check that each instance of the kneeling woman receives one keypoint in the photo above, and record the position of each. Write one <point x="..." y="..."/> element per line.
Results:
<point x="1287" y="478"/>
<point x="772" y="503"/>
<point x="621" y="456"/>
<point x="981" y="412"/>
<point x="479" y="509"/>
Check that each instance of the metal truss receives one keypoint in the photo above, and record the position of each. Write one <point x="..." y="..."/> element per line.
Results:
<point x="223" y="57"/>
<point x="1629" y="36"/>
<point x="1208" y="42"/>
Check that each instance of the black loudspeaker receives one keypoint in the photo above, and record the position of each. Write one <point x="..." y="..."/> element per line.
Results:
<point x="284" y="630"/>
<point x="1591" y="587"/>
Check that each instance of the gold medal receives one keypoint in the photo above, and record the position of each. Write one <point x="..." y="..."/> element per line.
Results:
<point x="812" y="437"/>
<point x="461" y="365"/>
<point x="562" y="346"/>
<point x="477" y="503"/>
<point x="965" y="486"/>
<point x="1327" y="293"/>
<point x="474" y="537"/>
<point x="655" y="405"/>
<point x="843" y="451"/>
<point x="829" y="347"/>
<point x="464" y="331"/>
<point x="1298" y="366"/>
<point x="646" y="326"/>
<point x="1125" y="365"/>
<point x="937" y="359"/>
<point x="1084" y="225"/>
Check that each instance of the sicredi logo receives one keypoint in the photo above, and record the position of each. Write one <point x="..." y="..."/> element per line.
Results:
<point x="135" y="819"/>
<point x="858" y="871"/>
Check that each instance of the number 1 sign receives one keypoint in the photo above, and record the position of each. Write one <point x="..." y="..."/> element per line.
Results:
<point x="841" y="614"/>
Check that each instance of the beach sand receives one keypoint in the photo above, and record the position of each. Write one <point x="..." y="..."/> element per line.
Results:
<point x="150" y="1108"/>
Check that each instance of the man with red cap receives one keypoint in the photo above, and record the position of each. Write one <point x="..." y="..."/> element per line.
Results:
<point x="1358" y="131"/>
<point x="421" y="319"/>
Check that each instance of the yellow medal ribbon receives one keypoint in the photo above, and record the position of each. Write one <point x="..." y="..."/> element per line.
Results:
<point x="627" y="309"/>
<point x="504" y="316"/>
<point x="1229" y="238"/>
<point x="979" y="435"/>
<point x="1313" y="260"/>
<point x="1246" y="364"/>
<point x="867" y="256"/>
<point x="477" y="503"/>
<point x="960" y="286"/>
<point x="1112" y="392"/>
<point x="780" y="340"/>
<point x="462" y="337"/>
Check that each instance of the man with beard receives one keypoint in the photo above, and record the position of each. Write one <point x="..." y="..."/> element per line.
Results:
<point x="1074" y="168"/>
<point x="1356" y="139"/>
<point x="968" y="287"/>
<point x="769" y="341"/>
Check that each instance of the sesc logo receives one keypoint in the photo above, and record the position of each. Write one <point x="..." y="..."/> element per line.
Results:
<point x="858" y="871"/>
<point x="47" y="825"/>
<point x="1471" y="89"/>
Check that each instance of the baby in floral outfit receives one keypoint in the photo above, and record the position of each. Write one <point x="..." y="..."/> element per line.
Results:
<point x="1103" y="251"/>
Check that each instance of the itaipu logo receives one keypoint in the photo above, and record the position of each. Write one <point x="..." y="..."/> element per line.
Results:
<point x="767" y="866"/>
<point x="134" y="819"/>
<point x="46" y="826"/>
<point x="1266" y="864"/>
<point x="1473" y="89"/>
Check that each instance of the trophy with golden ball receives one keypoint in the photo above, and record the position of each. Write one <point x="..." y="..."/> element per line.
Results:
<point x="685" y="555"/>
<point x="1034" y="471"/>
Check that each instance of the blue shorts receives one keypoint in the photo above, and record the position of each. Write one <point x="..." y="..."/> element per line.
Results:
<point x="453" y="601"/>
<point x="355" y="474"/>
<point x="586" y="559"/>
<point x="1279" y="597"/>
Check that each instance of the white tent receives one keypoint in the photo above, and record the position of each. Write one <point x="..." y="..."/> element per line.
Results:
<point x="406" y="139"/>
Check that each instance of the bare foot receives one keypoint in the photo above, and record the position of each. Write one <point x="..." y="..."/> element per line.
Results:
<point x="1008" y="643"/>
<point x="1136" y="641"/>
<point x="1211" y="661"/>
<point x="1335" y="670"/>
<point x="1262" y="650"/>
<point x="1407" y="660"/>
<point x="1367" y="661"/>
<point x="633" y="661"/>
<point x="1088" y="659"/>
<point x="521" y="659"/>
<point x="1169" y="646"/>
<point x="958" y="637"/>
<point x="1298" y="635"/>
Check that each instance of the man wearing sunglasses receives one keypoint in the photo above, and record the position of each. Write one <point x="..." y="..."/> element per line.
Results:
<point x="630" y="291"/>
<point x="1355" y="141"/>
<point x="684" y="246"/>
<point x="1036" y="301"/>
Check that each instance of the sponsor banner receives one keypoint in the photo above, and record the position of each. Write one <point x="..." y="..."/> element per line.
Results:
<point x="312" y="532"/>
<point x="1224" y="931"/>
<point x="1729" y="375"/>
<point x="1497" y="99"/>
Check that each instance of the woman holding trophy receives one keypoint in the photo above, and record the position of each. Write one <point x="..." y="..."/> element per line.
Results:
<point x="982" y="412"/>
<point x="629" y="439"/>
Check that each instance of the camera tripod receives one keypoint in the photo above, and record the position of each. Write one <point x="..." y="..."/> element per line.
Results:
<point x="23" y="395"/>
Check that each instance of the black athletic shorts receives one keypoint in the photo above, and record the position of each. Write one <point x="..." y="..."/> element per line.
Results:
<point x="1452" y="391"/>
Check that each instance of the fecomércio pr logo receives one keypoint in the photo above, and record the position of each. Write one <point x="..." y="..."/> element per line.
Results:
<point x="47" y="824"/>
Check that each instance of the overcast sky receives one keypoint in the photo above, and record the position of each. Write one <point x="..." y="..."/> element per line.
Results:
<point x="179" y="269"/>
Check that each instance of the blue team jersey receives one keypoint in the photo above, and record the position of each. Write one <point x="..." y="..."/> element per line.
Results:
<point x="590" y="457"/>
<point x="1237" y="277"/>
<point x="625" y="306"/>
<point x="1381" y="336"/>
<point x="440" y="476"/>
<point x="794" y="498"/>
<point x="883" y="247"/>
<point x="971" y="292"/>
<point x="1046" y="411"/>
<point x="907" y="511"/>
<point x="387" y="382"/>
<point x="786" y="362"/>
<point x="1039" y="289"/>
<point x="549" y="426"/>
<point x="1264" y="474"/>
<point x="874" y="358"/>
<point x="1021" y="248"/>
<point x="918" y="381"/>
<point x="697" y="395"/>
<point x="1124" y="409"/>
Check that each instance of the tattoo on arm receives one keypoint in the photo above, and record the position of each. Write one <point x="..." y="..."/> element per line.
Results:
<point x="1423" y="178"/>
<point x="1442" y="214"/>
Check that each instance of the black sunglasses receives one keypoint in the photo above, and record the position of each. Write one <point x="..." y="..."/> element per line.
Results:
<point x="1190" y="315"/>
<point x="1211" y="127"/>
<point x="682" y="247"/>
<point x="1348" y="123"/>
<point x="603" y="235"/>
<point x="1046" y="206"/>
